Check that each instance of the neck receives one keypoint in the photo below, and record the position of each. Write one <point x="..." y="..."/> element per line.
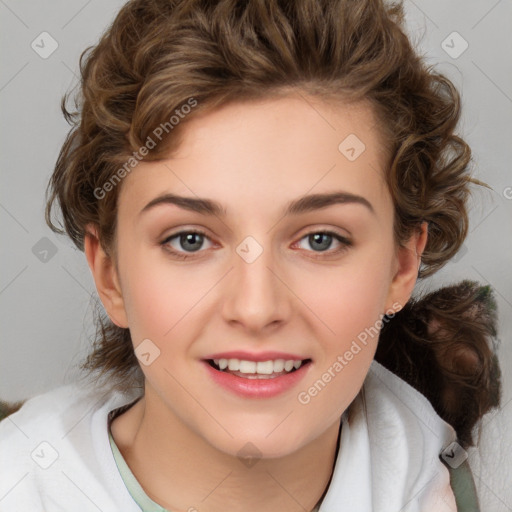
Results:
<point x="181" y="471"/>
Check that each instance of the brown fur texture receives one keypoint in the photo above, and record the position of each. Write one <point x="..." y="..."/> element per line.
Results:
<point x="444" y="345"/>
<point x="7" y="408"/>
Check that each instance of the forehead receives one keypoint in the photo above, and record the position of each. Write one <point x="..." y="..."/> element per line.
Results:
<point x="268" y="151"/>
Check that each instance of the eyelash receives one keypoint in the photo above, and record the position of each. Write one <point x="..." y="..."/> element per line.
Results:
<point x="345" y="243"/>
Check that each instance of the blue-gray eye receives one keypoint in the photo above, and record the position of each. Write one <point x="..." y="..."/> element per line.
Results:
<point x="321" y="241"/>
<point x="185" y="241"/>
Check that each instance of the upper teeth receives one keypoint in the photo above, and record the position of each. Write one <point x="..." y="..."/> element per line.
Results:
<point x="262" y="367"/>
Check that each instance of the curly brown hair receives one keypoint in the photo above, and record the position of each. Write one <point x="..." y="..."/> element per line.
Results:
<point x="158" y="55"/>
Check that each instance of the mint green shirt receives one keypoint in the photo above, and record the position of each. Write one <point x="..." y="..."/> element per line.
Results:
<point x="134" y="488"/>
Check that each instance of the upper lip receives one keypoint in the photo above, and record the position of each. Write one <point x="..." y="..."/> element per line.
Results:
<point x="256" y="356"/>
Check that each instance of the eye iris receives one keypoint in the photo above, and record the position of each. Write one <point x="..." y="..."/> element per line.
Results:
<point x="319" y="238"/>
<point x="195" y="239"/>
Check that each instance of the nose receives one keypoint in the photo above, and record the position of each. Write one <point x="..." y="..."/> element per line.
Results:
<point x="256" y="297"/>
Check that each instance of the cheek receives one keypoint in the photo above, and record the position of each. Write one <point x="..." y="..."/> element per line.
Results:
<point x="352" y="297"/>
<point x="350" y="304"/>
<point x="154" y="299"/>
<point x="164" y="301"/>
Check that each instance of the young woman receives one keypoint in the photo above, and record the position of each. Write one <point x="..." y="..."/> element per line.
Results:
<point x="257" y="186"/>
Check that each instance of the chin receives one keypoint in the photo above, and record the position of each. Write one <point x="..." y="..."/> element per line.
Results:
<point x="264" y="444"/>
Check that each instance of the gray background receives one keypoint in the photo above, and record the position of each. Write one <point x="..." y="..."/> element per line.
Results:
<point x="45" y="311"/>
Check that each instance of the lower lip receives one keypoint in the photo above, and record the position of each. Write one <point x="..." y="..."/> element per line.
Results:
<point x="257" y="388"/>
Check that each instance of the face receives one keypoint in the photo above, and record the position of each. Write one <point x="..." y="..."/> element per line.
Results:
<point x="282" y="270"/>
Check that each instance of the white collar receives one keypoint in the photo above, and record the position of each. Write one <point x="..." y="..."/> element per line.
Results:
<point x="388" y="458"/>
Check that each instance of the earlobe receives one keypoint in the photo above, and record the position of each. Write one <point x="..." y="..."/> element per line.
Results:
<point x="408" y="265"/>
<point x="105" y="277"/>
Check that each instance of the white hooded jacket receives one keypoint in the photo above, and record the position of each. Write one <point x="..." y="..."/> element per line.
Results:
<point x="55" y="454"/>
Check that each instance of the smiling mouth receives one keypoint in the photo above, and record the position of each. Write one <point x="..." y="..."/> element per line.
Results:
<point x="258" y="370"/>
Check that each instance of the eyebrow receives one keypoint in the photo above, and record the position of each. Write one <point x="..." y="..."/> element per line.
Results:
<point x="302" y="205"/>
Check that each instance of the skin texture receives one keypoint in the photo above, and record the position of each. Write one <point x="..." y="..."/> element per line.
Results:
<point x="298" y="296"/>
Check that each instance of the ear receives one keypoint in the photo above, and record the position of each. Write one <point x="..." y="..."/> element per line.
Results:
<point x="406" y="269"/>
<point x="105" y="276"/>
